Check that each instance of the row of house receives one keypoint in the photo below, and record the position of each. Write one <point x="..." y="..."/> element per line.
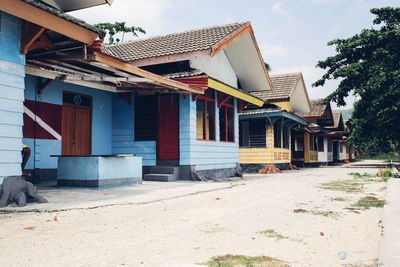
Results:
<point x="191" y="105"/>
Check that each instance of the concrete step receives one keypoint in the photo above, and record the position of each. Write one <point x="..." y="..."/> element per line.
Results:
<point x="159" y="177"/>
<point x="163" y="170"/>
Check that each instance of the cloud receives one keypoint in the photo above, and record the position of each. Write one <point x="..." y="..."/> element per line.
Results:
<point x="270" y="50"/>
<point x="278" y="9"/>
<point x="147" y="14"/>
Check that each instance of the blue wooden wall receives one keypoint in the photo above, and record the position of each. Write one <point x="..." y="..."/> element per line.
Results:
<point x="123" y="136"/>
<point x="101" y="121"/>
<point x="205" y="155"/>
<point x="12" y="72"/>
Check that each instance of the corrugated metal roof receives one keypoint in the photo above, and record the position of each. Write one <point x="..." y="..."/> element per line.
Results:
<point x="54" y="11"/>
<point x="176" y="43"/>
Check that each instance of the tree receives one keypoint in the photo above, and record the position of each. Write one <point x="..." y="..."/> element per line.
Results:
<point x="368" y="66"/>
<point x="267" y="66"/>
<point x="118" y="27"/>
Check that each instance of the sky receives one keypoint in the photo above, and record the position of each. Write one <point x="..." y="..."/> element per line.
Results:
<point x="292" y="34"/>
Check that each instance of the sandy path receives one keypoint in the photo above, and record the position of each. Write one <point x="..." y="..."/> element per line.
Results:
<point x="192" y="229"/>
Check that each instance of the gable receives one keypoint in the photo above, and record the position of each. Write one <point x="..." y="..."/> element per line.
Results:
<point x="217" y="67"/>
<point x="299" y="101"/>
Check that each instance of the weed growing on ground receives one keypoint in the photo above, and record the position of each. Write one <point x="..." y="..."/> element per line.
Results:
<point x="331" y="214"/>
<point x="387" y="173"/>
<point x="271" y="233"/>
<point x="341" y="199"/>
<point x="359" y="175"/>
<point x="348" y="186"/>
<point x="240" y="260"/>
<point x="369" y="202"/>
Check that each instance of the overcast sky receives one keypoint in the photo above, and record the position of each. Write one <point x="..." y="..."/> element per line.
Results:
<point x="292" y="34"/>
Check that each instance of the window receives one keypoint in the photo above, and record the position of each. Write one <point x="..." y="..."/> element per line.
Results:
<point x="321" y="144"/>
<point x="252" y="133"/>
<point x="278" y="134"/>
<point x="313" y="142"/>
<point x="340" y="147"/>
<point x="227" y="121"/>
<point x="330" y="146"/>
<point x="146" y="118"/>
<point x="299" y="143"/>
<point x="205" y="116"/>
<point x="286" y="130"/>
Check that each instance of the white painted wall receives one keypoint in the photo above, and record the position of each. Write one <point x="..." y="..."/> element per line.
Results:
<point x="299" y="98"/>
<point x="325" y="157"/>
<point x="217" y="67"/>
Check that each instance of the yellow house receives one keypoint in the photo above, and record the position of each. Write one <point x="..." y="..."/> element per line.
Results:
<point x="266" y="133"/>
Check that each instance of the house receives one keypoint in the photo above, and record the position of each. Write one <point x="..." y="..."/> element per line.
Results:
<point x="194" y="135"/>
<point x="274" y="134"/>
<point x="321" y="146"/>
<point x="71" y="103"/>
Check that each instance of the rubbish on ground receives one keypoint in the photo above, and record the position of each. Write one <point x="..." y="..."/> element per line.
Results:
<point x="107" y="194"/>
<point x="299" y="211"/>
<point x="217" y="198"/>
<point x="270" y="168"/>
<point x="321" y="233"/>
<point x="30" y="228"/>
<point x="56" y="218"/>
<point x="342" y="255"/>
<point x="293" y="167"/>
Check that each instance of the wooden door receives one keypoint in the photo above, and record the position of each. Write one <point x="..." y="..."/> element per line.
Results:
<point x="168" y="128"/>
<point x="76" y="135"/>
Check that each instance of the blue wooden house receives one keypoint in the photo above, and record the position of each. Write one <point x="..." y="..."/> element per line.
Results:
<point x="97" y="115"/>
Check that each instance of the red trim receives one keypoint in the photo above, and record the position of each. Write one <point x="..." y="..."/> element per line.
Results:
<point x="222" y="98"/>
<point x="205" y="126"/>
<point x="226" y="122"/>
<point x="201" y="82"/>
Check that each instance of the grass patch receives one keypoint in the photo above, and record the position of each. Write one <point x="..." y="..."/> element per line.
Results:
<point x="245" y="261"/>
<point x="387" y="173"/>
<point x="348" y="186"/>
<point x="341" y="199"/>
<point x="272" y="234"/>
<point x="359" y="175"/>
<point x="370" y="202"/>
<point x="331" y="214"/>
<point x="392" y="156"/>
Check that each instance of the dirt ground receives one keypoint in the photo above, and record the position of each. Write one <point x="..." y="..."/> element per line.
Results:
<point x="303" y="218"/>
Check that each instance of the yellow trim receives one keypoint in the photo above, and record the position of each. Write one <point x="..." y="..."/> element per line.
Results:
<point x="234" y="92"/>
<point x="284" y="105"/>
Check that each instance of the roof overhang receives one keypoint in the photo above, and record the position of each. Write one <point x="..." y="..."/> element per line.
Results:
<point x="46" y="20"/>
<point x="72" y="5"/>
<point x="283" y="114"/>
<point x="243" y="53"/>
<point x="221" y="87"/>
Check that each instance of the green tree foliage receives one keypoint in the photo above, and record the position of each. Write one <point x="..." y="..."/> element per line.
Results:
<point x="368" y="66"/>
<point x="116" y="28"/>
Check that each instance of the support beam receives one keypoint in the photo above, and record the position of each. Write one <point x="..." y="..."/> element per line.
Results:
<point x="118" y="64"/>
<point x="50" y="75"/>
<point x="222" y="99"/>
<point x="47" y="20"/>
<point x="43" y="86"/>
<point x="42" y="41"/>
<point x="30" y="33"/>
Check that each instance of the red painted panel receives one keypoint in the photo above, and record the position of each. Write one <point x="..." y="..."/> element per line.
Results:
<point x="201" y="82"/>
<point x="49" y="113"/>
<point x="168" y="128"/>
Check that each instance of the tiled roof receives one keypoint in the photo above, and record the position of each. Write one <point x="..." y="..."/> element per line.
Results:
<point x="282" y="84"/>
<point x="260" y="111"/>
<point x="170" y="44"/>
<point x="336" y="118"/>
<point x="317" y="109"/>
<point x="49" y="9"/>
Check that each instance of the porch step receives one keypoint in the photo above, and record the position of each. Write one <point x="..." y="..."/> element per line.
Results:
<point x="159" y="177"/>
<point x="163" y="170"/>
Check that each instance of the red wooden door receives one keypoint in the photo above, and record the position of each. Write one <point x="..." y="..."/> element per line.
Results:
<point x="76" y="133"/>
<point x="168" y="128"/>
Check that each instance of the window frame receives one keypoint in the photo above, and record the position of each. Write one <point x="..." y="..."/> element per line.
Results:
<point x="278" y="123"/>
<point x="205" y="126"/>
<point x="232" y="106"/>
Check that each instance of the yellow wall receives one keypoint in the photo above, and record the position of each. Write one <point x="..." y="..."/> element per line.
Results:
<point x="284" y="105"/>
<point x="310" y="156"/>
<point x="268" y="155"/>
